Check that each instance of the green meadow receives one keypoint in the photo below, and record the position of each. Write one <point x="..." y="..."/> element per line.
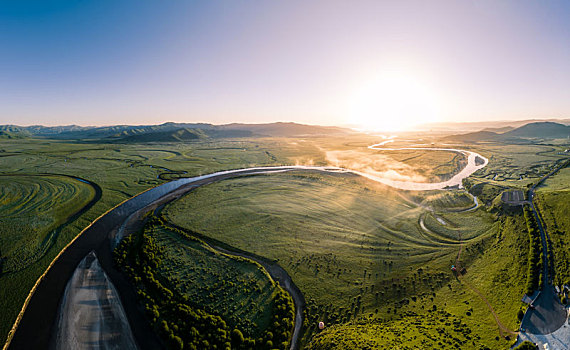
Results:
<point x="197" y="297"/>
<point x="34" y="172"/>
<point x="320" y="227"/>
<point x="34" y="219"/>
<point x="553" y="202"/>
<point x="237" y="289"/>
<point x="372" y="262"/>
<point x="33" y="207"/>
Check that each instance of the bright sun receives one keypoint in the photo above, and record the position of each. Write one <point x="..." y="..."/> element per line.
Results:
<point x="392" y="101"/>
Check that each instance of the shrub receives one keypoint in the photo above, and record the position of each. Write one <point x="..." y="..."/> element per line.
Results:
<point x="526" y="345"/>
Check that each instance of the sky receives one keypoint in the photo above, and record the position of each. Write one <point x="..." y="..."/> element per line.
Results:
<point x="376" y="63"/>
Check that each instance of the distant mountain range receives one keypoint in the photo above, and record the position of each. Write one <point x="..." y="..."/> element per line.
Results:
<point x="495" y="126"/>
<point x="168" y="132"/>
<point x="539" y="130"/>
<point x="182" y="132"/>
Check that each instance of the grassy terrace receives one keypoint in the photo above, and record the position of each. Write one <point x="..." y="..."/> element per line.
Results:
<point x="433" y="165"/>
<point x="407" y="164"/>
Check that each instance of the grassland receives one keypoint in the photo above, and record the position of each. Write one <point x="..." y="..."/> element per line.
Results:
<point x="433" y="165"/>
<point x="455" y="315"/>
<point x="431" y="330"/>
<point x="352" y="246"/>
<point x="237" y="289"/>
<point x="357" y="249"/>
<point x="553" y="202"/>
<point x="405" y="164"/>
<point x="122" y="171"/>
<point x="35" y="213"/>
<point x="33" y="207"/>
<point x="516" y="165"/>
<point x="445" y="200"/>
<point x="196" y="297"/>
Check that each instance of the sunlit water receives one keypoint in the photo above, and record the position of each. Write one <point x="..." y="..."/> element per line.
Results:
<point x="71" y="336"/>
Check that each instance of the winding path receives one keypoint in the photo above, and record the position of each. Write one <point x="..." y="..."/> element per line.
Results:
<point x="38" y="318"/>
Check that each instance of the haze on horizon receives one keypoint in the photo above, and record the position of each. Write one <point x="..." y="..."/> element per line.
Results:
<point x="374" y="63"/>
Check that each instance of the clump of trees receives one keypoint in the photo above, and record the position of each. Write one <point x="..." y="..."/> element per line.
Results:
<point x="526" y="345"/>
<point x="535" y="278"/>
<point x="183" y="326"/>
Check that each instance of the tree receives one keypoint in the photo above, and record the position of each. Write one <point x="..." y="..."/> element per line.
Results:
<point x="526" y="345"/>
<point x="175" y="342"/>
<point x="520" y="315"/>
<point x="237" y="337"/>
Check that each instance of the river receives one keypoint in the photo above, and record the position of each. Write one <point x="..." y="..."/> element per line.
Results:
<point x="41" y="311"/>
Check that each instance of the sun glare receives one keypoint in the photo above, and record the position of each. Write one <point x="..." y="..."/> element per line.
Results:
<point x="392" y="101"/>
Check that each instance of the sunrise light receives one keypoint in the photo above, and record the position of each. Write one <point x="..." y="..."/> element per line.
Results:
<point x="392" y="101"/>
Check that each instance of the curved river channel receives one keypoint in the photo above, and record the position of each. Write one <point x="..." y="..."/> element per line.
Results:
<point x="40" y="315"/>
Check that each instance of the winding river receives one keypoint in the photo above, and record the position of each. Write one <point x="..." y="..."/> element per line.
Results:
<point x="33" y="328"/>
<point x="475" y="162"/>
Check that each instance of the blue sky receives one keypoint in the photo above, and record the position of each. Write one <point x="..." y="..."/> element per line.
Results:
<point x="140" y="62"/>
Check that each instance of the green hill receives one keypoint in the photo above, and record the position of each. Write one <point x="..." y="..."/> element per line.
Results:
<point x="12" y="132"/>
<point x="179" y="135"/>
<point x="477" y="136"/>
<point x="499" y="130"/>
<point x="286" y="129"/>
<point x="166" y="131"/>
<point x="12" y="135"/>
<point x="543" y="130"/>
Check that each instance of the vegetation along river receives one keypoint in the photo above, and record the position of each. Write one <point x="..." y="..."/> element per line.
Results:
<point x="34" y="326"/>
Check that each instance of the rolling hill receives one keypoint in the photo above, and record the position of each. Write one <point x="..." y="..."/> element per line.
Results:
<point x="180" y="135"/>
<point x="543" y="130"/>
<point x="12" y="135"/>
<point x="476" y="136"/>
<point x="485" y="125"/>
<point x="540" y="130"/>
<point x="286" y="129"/>
<point x="167" y="132"/>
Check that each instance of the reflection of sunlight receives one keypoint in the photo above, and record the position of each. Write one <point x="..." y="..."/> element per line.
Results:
<point x="393" y="101"/>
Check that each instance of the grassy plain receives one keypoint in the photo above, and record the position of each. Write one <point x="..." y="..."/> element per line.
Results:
<point x="431" y="329"/>
<point x="516" y="165"/>
<point x="455" y="315"/>
<point x="32" y="209"/>
<point x="122" y="171"/>
<point x="406" y="164"/>
<point x="433" y="165"/>
<point x="553" y="202"/>
<point x="35" y="210"/>
<point x="341" y="238"/>
<point x="358" y="249"/>
<point x="235" y="288"/>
